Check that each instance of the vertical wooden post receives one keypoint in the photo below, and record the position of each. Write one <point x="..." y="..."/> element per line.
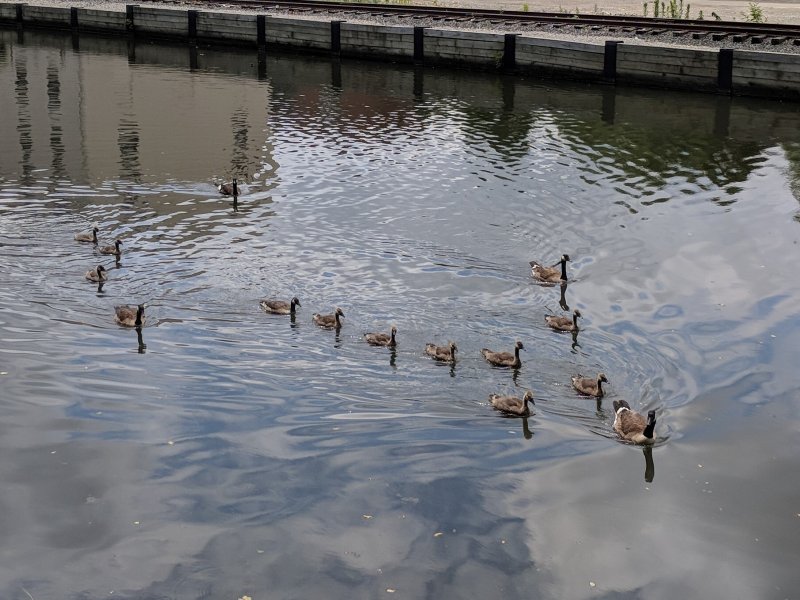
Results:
<point x="510" y="52"/>
<point x="610" y="60"/>
<point x="336" y="37"/>
<point x="419" y="44"/>
<point x="725" y="70"/>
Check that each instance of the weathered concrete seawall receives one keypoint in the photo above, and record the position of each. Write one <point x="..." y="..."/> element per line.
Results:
<point x="726" y="71"/>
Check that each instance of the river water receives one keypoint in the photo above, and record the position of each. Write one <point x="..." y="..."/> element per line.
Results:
<point x="223" y="452"/>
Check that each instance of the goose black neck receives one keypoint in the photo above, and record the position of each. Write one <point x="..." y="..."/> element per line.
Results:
<point x="563" y="270"/>
<point x="575" y="320"/>
<point x="392" y="342"/>
<point x="649" y="430"/>
<point x="292" y="307"/>
<point x="139" y="313"/>
<point x="599" y="387"/>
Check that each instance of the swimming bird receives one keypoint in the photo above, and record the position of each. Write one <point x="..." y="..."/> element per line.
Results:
<point x="631" y="426"/>
<point x="229" y="189"/>
<point x="280" y="307"/>
<point x="560" y="323"/>
<point x="504" y="359"/>
<point x="382" y="339"/>
<point x="130" y="316"/>
<point x="112" y="249"/>
<point x="329" y="321"/>
<point x="87" y="236"/>
<point x="512" y="405"/>
<point x="589" y="386"/>
<point x="550" y="274"/>
<point x="97" y="275"/>
<point x="444" y="353"/>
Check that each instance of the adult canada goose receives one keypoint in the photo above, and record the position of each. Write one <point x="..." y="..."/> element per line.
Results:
<point x="229" y="189"/>
<point x="632" y="426"/>
<point x="112" y="249"/>
<point x="280" y="307"/>
<point x="329" y="321"/>
<point x="445" y="353"/>
<point x="504" y="359"/>
<point x="550" y="274"/>
<point x="97" y="275"/>
<point x="87" y="236"/>
<point x="589" y="386"/>
<point x="560" y="323"/>
<point x="382" y="339"/>
<point x="512" y="405"/>
<point x="130" y="316"/>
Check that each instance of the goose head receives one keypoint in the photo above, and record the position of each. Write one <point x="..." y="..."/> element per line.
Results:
<point x="576" y="313"/>
<point x="338" y="312"/>
<point x="528" y="397"/>
<point x="295" y="301"/>
<point x="602" y="377"/>
<point x="519" y="346"/>
<point x="453" y="348"/>
<point x="564" y="258"/>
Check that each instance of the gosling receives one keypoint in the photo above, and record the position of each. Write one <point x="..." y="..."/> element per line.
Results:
<point x="511" y="405"/>
<point x="504" y="359"/>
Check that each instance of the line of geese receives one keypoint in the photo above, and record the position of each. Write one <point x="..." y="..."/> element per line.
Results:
<point x="630" y="425"/>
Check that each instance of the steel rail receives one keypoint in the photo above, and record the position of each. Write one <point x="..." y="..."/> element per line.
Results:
<point x="511" y="18"/>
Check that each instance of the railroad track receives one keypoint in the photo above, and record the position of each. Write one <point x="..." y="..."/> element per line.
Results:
<point x="755" y="33"/>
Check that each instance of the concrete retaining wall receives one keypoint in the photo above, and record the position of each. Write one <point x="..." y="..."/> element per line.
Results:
<point x="160" y="22"/>
<point x="463" y="47"/>
<point x="47" y="15"/>
<point x="574" y="59"/>
<point x="371" y="40"/>
<point x="101" y="20"/>
<point x="668" y="67"/>
<point x="299" y="33"/>
<point x="228" y="27"/>
<point x="727" y="71"/>
<point x="766" y="74"/>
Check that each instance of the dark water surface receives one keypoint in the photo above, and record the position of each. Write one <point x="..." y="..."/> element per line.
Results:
<point x="228" y="452"/>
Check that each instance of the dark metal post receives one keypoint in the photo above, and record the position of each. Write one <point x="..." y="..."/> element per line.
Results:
<point x="192" y="14"/>
<point x="419" y="44"/>
<point x="336" y="37"/>
<point x="130" y="24"/>
<point x="73" y="17"/>
<point x="725" y="70"/>
<point x="261" y="30"/>
<point x="510" y="52"/>
<point x="610" y="60"/>
<point x="20" y="13"/>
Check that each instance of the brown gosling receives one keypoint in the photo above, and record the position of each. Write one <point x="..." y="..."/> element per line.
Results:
<point x="280" y="307"/>
<point x="382" y="339"/>
<point x="560" y="323"/>
<point x="550" y="274"/>
<point x="87" y="236"/>
<point x="511" y="405"/>
<point x="130" y="316"/>
<point x="229" y="189"/>
<point x="632" y="426"/>
<point x="329" y="321"/>
<point x="444" y="353"/>
<point x="589" y="386"/>
<point x="98" y="274"/>
<point x="112" y="249"/>
<point x="504" y="359"/>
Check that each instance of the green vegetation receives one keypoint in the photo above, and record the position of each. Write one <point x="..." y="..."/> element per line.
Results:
<point x="754" y="13"/>
<point x="525" y="8"/>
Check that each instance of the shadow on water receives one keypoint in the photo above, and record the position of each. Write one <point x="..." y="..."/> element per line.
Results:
<point x="238" y="445"/>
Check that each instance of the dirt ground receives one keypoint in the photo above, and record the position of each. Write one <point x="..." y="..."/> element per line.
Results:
<point x="775" y="11"/>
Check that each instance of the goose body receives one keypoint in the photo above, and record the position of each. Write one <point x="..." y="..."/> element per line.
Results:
<point x="589" y="386"/>
<point x="87" y="236"/>
<point x="329" y="321"/>
<point x="129" y="316"/>
<point x="561" y="323"/>
<point x="112" y="249"/>
<point x="97" y="274"/>
<point x="229" y="189"/>
<point x="504" y="359"/>
<point x="444" y="353"/>
<point x="552" y="274"/>
<point x="280" y="307"/>
<point x="382" y="339"/>
<point x="632" y="426"/>
<point x="512" y="405"/>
